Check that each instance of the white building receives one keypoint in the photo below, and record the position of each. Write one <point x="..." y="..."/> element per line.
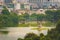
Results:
<point x="17" y="6"/>
<point x="27" y="6"/>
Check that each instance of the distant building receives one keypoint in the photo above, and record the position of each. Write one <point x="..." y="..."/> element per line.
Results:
<point x="27" y="6"/>
<point x="22" y="1"/>
<point x="1" y="4"/>
<point x="35" y="3"/>
<point x="45" y="3"/>
<point x="8" y="1"/>
<point x="9" y="4"/>
<point x="17" y="6"/>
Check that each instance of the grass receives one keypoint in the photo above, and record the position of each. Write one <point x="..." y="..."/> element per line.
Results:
<point x="47" y="24"/>
<point x="40" y="29"/>
<point x="23" y="25"/>
<point x="34" y="24"/>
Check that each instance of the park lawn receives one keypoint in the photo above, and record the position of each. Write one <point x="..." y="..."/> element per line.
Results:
<point x="35" y="24"/>
<point x="48" y="24"/>
<point x="39" y="29"/>
<point x="27" y="25"/>
<point x="23" y="25"/>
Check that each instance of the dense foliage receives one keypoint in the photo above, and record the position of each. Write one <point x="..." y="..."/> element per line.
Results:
<point x="8" y="19"/>
<point x="11" y="19"/>
<point x="30" y="36"/>
<point x="53" y="15"/>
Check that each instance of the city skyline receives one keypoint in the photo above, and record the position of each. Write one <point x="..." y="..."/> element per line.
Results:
<point x="35" y="4"/>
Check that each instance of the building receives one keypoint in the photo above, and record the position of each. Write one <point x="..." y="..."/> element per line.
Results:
<point x="27" y="6"/>
<point x="22" y="1"/>
<point x="45" y="3"/>
<point x="1" y="5"/>
<point x="7" y="1"/>
<point x="17" y="6"/>
<point x="35" y="3"/>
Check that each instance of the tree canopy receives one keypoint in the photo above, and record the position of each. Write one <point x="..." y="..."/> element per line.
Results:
<point x="8" y="19"/>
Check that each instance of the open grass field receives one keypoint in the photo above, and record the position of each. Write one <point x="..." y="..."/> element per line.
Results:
<point x="35" y="24"/>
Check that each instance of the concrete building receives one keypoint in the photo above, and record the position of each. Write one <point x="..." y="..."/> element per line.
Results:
<point x="27" y="6"/>
<point x="45" y="3"/>
<point x="17" y="6"/>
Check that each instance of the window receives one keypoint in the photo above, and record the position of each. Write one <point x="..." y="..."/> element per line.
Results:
<point x="22" y="6"/>
<point x="10" y="5"/>
<point x="8" y="1"/>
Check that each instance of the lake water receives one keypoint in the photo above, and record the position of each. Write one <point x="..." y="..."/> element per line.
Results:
<point x="19" y="32"/>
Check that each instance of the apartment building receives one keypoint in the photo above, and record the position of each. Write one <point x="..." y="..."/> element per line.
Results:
<point x="45" y="3"/>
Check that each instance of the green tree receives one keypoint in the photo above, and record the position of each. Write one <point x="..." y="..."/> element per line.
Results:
<point x="40" y="17"/>
<point x="54" y="34"/>
<point x="57" y="15"/>
<point x="8" y="19"/>
<point x="42" y="37"/>
<point x="32" y="36"/>
<point x="58" y="26"/>
<point x="33" y="17"/>
<point x="5" y="11"/>
<point x="21" y="19"/>
<point x="52" y="15"/>
<point x="26" y="16"/>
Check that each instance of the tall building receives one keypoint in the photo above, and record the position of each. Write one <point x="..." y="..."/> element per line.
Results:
<point x="45" y="3"/>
